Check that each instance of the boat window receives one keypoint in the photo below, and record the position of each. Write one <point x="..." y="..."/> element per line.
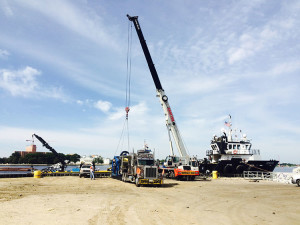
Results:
<point x="246" y="147"/>
<point x="234" y="146"/>
<point x="238" y="147"/>
<point x="214" y="147"/>
<point x="229" y="146"/>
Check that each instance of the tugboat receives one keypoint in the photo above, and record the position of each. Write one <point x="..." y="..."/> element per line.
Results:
<point x="231" y="154"/>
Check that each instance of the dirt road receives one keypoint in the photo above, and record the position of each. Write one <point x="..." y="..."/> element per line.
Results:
<point x="71" y="200"/>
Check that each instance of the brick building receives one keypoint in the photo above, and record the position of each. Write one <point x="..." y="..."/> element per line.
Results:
<point x="29" y="149"/>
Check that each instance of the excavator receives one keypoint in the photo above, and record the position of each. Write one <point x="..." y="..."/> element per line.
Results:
<point x="62" y="162"/>
<point x="183" y="166"/>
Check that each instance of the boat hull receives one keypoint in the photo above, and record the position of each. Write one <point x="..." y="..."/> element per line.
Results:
<point x="236" y="166"/>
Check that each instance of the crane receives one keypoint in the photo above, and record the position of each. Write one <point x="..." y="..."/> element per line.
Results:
<point x="46" y="145"/>
<point x="172" y="160"/>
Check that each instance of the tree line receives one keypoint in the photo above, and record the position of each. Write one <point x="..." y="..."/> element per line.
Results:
<point x="39" y="158"/>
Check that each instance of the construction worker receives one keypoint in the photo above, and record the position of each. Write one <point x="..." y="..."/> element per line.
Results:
<point x="92" y="176"/>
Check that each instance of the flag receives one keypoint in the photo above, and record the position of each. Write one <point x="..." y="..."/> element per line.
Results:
<point x="227" y="124"/>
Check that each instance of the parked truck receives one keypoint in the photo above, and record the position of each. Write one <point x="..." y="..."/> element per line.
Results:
<point x="138" y="168"/>
<point x="296" y="176"/>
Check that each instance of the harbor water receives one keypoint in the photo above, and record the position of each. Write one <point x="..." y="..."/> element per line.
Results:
<point x="41" y="167"/>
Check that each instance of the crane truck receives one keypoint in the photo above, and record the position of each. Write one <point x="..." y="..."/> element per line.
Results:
<point x="137" y="167"/>
<point x="183" y="166"/>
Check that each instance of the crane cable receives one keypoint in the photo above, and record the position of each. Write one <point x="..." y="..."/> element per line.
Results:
<point x="128" y="86"/>
<point x="128" y="77"/>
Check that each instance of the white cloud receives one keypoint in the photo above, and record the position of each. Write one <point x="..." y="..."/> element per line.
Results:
<point x="6" y="9"/>
<point x="285" y="68"/>
<point x="23" y="82"/>
<point x="84" y="22"/>
<point x="104" y="106"/>
<point x="118" y="114"/>
<point x="138" y="112"/>
<point x="79" y="102"/>
<point x="248" y="46"/>
<point x="4" y="53"/>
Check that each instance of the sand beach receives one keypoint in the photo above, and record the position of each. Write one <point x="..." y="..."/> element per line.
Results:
<point x="71" y="200"/>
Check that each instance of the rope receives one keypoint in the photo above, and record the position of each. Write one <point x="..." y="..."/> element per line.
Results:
<point x="257" y="167"/>
<point x="127" y="95"/>
<point x="121" y="137"/>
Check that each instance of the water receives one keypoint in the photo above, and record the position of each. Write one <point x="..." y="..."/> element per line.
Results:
<point x="284" y="169"/>
<point x="39" y="167"/>
<point x="103" y="167"/>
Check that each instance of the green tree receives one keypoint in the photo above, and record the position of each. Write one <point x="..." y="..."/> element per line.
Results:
<point x="39" y="158"/>
<point x="74" y="158"/>
<point x="3" y="160"/>
<point x="14" y="158"/>
<point x="58" y="158"/>
<point x="99" y="159"/>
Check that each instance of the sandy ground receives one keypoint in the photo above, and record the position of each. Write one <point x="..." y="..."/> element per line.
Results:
<point x="71" y="200"/>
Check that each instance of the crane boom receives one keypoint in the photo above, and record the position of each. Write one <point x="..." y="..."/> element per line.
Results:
<point x="170" y="120"/>
<point x="46" y="145"/>
<point x="151" y="66"/>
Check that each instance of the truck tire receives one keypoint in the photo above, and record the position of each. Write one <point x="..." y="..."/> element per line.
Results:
<point x="171" y="174"/>
<point x="298" y="182"/>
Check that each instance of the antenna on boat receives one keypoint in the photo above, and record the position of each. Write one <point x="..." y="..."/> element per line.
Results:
<point x="229" y="124"/>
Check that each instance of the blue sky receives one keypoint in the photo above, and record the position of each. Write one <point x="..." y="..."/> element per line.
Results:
<point x="63" y="67"/>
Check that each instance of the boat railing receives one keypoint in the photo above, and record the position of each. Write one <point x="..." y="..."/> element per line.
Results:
<point x="212" y="152"/>
<point x="209" y="152"/>
<point x="258" y="175"/>
<point x="255" y="151"/>
<point x="244" y="152"/>
<point x="285" y="178"/>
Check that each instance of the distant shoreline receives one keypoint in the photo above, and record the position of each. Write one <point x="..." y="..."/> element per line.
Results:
<point x="26" y="164"/>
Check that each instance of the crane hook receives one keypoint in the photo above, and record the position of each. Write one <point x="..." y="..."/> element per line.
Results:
<point x="127" y="109"/>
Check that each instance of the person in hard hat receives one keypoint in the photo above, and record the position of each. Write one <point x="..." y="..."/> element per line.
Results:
<point x="92" y="176"/>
